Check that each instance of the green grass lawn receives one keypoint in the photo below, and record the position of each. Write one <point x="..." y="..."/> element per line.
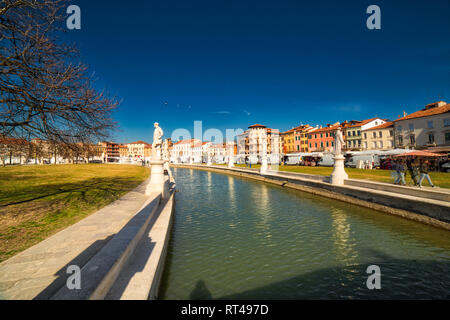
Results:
<point x="440" y="179"/>
<point x="38" y="201"/>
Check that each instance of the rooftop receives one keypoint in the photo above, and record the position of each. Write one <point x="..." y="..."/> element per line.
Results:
<point x="429" y="110"/>
<point x="383" y="126"/>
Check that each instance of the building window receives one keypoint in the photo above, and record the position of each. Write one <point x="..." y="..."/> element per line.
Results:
<point x="412" y="139"/>
<point x="359" y="133"/>
<point x="447" y="122"/>
<point x="391" y="133"/>
<point x="365" y="135"/>
<point x="374" y="134"/>
<point x="374" y="144"/>
<point x="411" y="127"/>
<point x="430" y="124"/>
<point x="381" y="144"/>
<point x="400" y="140"/>
<point x="431" y="138"/>
<point x="365" y="145"/>
<point x="328" y="144"/>
<point x="447" y="137"/>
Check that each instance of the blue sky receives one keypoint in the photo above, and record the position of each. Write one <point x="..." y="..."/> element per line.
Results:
<point x="281" y="63"/>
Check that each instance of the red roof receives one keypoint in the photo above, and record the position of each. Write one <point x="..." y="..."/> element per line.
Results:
<point x="383" y="126"/>
<point x="427" y="111"/>
<point x="141" y="142"/>
<point x="186" y="141"/>
<point x="362" y="123"/>
<point x="257" y="126"/>
<point x="330" y="128"/>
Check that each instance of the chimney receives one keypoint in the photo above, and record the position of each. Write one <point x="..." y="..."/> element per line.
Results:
<point x="435" y="105"/>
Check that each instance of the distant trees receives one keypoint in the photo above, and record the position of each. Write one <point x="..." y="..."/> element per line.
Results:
<point x="45" y="92"/>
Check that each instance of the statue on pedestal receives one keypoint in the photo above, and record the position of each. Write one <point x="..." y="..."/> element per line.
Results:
<point x="338" y="142"/>
<point x="157" y="141"/>
<point x="338" y="176"/>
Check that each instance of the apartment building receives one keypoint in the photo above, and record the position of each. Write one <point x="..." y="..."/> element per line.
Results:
<point x="354" y="132"/>
<point x="428" y="127"/>
<point x="378" y="138"/>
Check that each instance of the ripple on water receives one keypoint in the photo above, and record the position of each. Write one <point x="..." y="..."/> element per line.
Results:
<point x="237" y="238"/>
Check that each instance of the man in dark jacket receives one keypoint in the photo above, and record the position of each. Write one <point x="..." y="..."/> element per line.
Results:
<point x="424" y="170"/>
<point x="400" y="168"/>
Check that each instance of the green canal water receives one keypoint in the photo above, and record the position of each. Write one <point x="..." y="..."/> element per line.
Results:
<point x="235" y="238"/>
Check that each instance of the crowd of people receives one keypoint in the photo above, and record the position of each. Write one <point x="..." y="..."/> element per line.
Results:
<point x="418" y="170"/>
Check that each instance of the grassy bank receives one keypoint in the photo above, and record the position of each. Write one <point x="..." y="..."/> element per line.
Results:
<point x="440" y="179"/>
<point x="38" y="201"/>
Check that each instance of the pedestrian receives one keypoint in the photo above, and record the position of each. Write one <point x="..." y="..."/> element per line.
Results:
<point x="401" y="169"/>
<point x="394" y="172"/>
<point x="412" y="169"/>
<point x="424" y="170"/>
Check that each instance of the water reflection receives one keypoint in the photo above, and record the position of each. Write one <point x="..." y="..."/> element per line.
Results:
<point x="344" y="244"/>
<point x="231" y="192"/>
<point x="234" y="237"/>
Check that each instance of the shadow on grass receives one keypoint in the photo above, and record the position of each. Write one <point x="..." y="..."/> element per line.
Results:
<point x="107" y="185"/>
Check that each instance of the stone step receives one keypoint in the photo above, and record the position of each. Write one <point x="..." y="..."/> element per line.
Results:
<point x="140" y="277"/>
<point x="41" y="271"/>
<point x="99" y="274"/>
<point x="435" y="194"/>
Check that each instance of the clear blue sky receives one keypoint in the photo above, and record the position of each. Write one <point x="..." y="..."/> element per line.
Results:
<point x="234" y="63"/>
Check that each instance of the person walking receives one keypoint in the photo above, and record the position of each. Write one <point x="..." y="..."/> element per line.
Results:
<point x="424" y="170"/>
<point x="401" y="169"/>
<point x="412" y="172"/>
<point x="394" y="172"/>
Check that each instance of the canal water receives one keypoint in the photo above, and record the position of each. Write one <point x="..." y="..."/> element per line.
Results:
<point x="235" y="238"/>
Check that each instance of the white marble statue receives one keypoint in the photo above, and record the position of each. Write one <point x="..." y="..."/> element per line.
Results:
<point x="157" y="141"/>
<point x="338" y="142"/>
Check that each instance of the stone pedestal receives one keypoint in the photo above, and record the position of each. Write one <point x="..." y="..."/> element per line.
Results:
<point x="339" y="175"/>
<point x="157" y="181"/>
<point x="263" y="168"/>
<point x="166" y="168"/>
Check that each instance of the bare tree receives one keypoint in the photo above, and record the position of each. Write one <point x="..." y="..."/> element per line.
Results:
<point x="44" y="91"/>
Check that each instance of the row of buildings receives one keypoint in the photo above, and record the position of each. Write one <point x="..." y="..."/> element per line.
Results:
<point x="426" y="128"/>
<point x="423" y="129"/>
<point x="37" y="151"/>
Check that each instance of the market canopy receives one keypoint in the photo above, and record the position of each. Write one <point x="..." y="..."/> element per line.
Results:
<point x="419" y="154"/>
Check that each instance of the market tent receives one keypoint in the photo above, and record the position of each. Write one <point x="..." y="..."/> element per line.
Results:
<point x="420" y="154"/>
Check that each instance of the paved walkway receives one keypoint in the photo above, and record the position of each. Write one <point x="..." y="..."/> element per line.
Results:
<point x="38" y="272"/>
